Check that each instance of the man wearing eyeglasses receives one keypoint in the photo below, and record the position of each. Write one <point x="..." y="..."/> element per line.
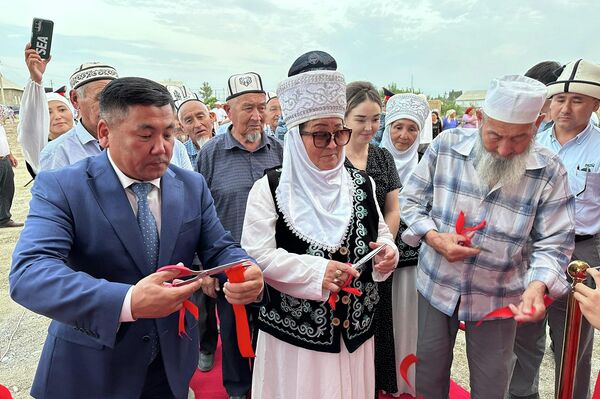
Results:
<point x="231" y="163"/>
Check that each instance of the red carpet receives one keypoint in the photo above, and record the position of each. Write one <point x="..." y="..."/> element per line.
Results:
<point x="210" y="386"/>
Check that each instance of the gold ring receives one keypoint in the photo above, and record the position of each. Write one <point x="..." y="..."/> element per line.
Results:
<point x="338" y="273"/>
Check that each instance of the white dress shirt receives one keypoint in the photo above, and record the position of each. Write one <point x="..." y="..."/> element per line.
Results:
<point x="153" y="204"/>
<point x="4" y="148"/>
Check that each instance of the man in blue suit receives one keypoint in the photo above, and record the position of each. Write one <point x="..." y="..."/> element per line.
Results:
<point x="95" y="234"/>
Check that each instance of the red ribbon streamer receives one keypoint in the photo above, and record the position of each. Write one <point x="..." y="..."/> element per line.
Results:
<point x="408" y="361"/>
<point x="506" y="313"/>
<point x="461" y="229"/>
<point x="4" y="392"/>
<point x="187" y="304"/>
<point x="236" y="275"/>
<point x="351" y="290"/>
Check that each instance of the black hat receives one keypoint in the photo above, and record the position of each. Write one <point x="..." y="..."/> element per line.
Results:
<point x="313" y="61"/>
<point x="387" y="92"/>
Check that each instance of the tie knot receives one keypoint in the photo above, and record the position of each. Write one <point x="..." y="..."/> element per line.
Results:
<point x="141" y="190"/>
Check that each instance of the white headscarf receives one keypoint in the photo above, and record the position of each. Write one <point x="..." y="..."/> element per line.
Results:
<point x="62" y="99"/>
<point x="316" y="204"/>
<point x="404" y="106"/>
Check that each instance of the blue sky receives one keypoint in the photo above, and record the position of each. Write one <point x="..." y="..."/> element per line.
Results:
<point x="440" y="45"/>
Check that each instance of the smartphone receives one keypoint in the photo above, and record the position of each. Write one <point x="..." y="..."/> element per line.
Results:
<point x="41" y="36"/>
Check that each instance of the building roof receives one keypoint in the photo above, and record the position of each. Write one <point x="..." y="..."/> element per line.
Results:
<point x="472" y="95"/>
<point x="8" y="85"/>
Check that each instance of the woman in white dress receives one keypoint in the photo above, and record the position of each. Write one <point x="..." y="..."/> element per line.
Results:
<point x="305" y="223"/>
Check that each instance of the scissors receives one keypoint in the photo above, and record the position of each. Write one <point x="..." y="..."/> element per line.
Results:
<point x="198" y="274"/>
<point x="358" y="265"/>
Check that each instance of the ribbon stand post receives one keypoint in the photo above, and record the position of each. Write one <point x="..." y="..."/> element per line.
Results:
<point x="568" y="364"/>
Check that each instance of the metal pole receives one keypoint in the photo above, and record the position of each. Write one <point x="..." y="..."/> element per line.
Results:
<point x="568" y="365"/>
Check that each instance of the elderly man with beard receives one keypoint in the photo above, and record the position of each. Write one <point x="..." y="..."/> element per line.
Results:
<point x="231" y="163"/>
<point x="194" y="118"/>
<point x="573" y="98"/>
<point x="499" y="175"/>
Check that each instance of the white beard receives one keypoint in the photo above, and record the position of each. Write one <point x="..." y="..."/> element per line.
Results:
<point x="253" y="137"/>
<point x="201" y="141"/>
<point x="493" y="169"/>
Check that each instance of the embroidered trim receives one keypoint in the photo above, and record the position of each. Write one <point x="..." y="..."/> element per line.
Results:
<point x="312" y="241"/>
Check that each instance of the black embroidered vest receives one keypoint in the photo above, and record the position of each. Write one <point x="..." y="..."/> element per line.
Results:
<point x="312" y="324"/>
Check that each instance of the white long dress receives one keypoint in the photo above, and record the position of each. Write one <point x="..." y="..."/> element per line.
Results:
<point x="287" y="371"/>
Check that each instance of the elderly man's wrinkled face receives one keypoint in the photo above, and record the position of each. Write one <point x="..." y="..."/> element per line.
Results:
<point x="247" y="113"/>
<point x="572" y="111"/>
<point x="330" y="155"/>
<point x="88" y="104"/>
<point x="196" y="121"/>
<point x="272" y="113"/>
<point x="502" y="151"/>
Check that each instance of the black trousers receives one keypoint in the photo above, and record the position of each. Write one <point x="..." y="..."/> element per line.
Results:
<point x="7" y="189"/>
<point x="207" y="323"/>
<point x="156" y="385"/>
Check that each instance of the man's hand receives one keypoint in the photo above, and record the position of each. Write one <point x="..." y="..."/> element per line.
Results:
<point x="384" y="261"/>
<point x="210" y="286"/>
<point x="589" y="299"/>
<point x="448" y="245"/>
<point x="13" y="160"/>
<point x="35" y="64"/>
<point x="531" y="308"/>
<point x="248" y="291"/>
<point x="336" y="275"/>
<point x="152" y="299"/>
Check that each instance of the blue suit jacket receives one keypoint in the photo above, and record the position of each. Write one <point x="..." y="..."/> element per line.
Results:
<point x="81" y="250"/>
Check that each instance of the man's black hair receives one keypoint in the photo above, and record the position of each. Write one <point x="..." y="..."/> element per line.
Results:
<point x="122" y="93"/>
<point x="545" y="71"/>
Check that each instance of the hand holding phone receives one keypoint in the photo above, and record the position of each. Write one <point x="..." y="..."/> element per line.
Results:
<point x="41" y="36"/>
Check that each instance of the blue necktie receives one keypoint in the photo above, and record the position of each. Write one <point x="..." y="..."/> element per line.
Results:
<point x="147" y="224"/>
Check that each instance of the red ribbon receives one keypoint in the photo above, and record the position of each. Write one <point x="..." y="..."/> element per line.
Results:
<point x="408" y="361"/>
<point x="461" y="229"/>
<point x="236" y="275"/>
<point x="4" y="392"/>
<point x="187" y="304"/>
<point x="351" y="290"/>
<point x="506" y="313"/>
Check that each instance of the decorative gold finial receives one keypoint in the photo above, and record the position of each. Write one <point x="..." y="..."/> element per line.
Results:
<point x="577" y="270"/>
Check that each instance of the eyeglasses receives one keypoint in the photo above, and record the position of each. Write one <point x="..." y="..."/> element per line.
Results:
<point x="322" y="139"/>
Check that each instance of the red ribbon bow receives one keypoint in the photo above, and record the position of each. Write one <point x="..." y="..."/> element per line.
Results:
<point x="506" y="313"/>
<point x="351" y="290"/>
<point x="462" y="230"/>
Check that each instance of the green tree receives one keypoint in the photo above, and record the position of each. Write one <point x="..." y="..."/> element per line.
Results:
<point x="393" y="87"/>
<point x="207" y="95"/>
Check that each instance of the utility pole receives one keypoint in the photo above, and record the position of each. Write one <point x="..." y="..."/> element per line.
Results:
<point x="2" y="86"/>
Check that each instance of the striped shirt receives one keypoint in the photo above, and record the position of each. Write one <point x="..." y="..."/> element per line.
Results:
<point x="230" y="172"/>
<point x="539" y="208"/>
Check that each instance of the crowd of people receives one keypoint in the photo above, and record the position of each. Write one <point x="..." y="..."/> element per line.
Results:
<point x="370" y="228"/>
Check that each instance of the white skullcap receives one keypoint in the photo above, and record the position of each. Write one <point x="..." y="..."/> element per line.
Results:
<point x="514" y="99"/>
<point x="312" y="95"/>
<point x="407" y="106"/>
<point x="90" y="72"/>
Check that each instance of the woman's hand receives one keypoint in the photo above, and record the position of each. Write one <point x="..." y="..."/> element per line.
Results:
<point x="35" y="64"/>
<point x="336" y="275"/>
<point x="385" y="261"/>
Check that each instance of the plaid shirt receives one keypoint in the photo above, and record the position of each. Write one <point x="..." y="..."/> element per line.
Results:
<point x="192" y="152"/>
<point x="539" y="210"/>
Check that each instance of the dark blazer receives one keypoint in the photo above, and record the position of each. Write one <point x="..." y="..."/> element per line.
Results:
<point x="79" y="253"/>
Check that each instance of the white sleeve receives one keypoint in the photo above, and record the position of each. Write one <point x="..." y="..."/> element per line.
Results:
<point x="298" y="275"/>
<point x="34" y="125"/>
<point x="383" y="236"/>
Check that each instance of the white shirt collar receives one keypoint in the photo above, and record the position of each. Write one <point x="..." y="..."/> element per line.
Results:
<point x="125" y="180"/>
